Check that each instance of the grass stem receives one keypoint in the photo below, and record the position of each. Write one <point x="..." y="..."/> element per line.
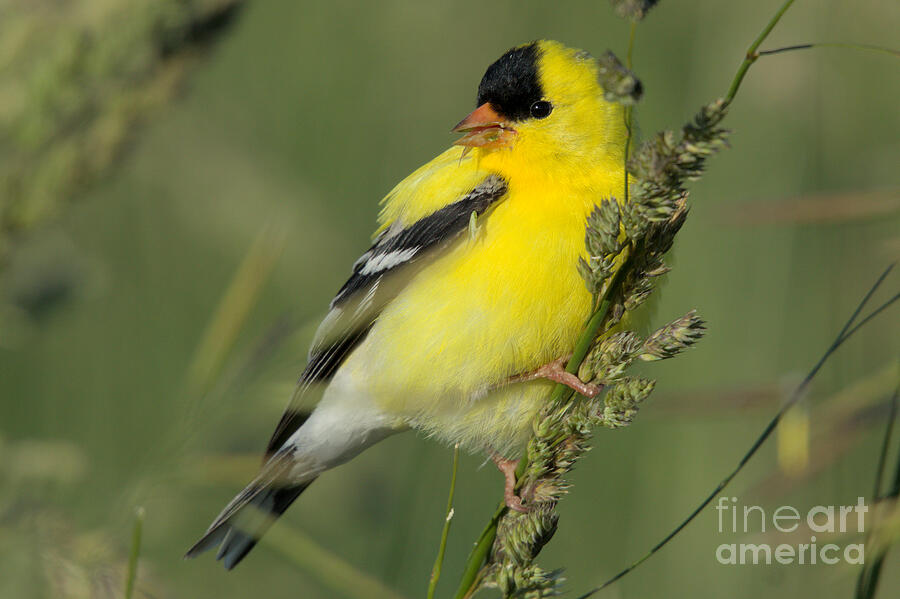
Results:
<point x="479" y="555"/>
<point x="867" y="582"/>
<point x="135" y="552"/>
<point x="752" y="53"/>
<point x="628" y="110"/>
<point x="850" y="45"/>
<point x="448" y="518"/>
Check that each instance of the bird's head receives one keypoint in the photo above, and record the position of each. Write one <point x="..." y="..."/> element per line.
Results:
<point x="542" y="103"/>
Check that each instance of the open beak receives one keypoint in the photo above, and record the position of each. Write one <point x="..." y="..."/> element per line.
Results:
<point x="484" y="128"/>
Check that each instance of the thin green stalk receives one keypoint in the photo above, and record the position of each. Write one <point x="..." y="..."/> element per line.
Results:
<point x="885" y="446"/>
<point x="752" y="53"/>
<point x="632" y="30"/>
<point x="850" y="45"/>
<point x="867" y="582"/>
<point x="136" y="534"/>
<point x="583" y="345"/>
<point x="479" y="554"/>
<point x="448" y="518"/>
<point x="628" y="109"/>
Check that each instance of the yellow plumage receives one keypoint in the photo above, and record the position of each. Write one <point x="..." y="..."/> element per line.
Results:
<point x="510" y="299"/>
<point x="439" y="315"/>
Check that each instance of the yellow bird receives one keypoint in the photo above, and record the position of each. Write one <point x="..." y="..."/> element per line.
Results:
<point x="455" y="321"/>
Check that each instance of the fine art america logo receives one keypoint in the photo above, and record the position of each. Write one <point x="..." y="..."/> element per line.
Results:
<point x="827" y="520"/>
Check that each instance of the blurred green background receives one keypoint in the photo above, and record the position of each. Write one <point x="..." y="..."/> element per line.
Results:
<point x="152" y="330"/>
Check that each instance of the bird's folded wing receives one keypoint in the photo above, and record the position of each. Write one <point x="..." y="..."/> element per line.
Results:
<point x="398" y="252"/>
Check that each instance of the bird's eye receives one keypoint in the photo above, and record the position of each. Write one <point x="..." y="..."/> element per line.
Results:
<point x="541" y="109"/>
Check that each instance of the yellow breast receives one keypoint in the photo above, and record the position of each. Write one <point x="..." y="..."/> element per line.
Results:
<point x="501" y="302"/>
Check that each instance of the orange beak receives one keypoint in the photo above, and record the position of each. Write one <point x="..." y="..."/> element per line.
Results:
<point x="484" y="128"/>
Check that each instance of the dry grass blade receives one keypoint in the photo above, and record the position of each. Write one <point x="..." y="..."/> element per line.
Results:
<point x="233" y="309"/>
<point x="327" y="568"/>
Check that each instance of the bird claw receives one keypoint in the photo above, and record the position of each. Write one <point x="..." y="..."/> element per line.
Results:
<point x="555" y="371"/>
<point x="508" y="468"/>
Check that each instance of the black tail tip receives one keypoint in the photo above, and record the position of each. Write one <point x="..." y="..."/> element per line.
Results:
<point x="233" y="543"/>
<point x="229" y="531"/>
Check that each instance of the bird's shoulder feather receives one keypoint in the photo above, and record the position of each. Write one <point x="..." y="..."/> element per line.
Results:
<point x="420" y="218"/>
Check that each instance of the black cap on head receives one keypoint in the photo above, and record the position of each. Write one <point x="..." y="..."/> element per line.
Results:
<point x="511" y="84"/>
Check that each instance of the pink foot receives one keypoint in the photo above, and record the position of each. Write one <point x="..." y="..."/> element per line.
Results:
<point x="508" y="468"/>
<point x="555" y="371"/>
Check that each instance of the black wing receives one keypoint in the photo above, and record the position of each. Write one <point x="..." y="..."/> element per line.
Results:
<point x="377" y="277"/>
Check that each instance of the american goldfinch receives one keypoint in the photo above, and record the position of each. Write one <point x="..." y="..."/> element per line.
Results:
<point x="456" y="320"/>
